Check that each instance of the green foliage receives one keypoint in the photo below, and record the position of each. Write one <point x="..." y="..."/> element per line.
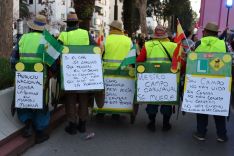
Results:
<point x="84" y="10"/>
<point x="6" y="74"/>
<point x="180" y="9"/>
<point x="24" y="11"/>
<point x="154" y="7"/>
<point x="131" y="16"/>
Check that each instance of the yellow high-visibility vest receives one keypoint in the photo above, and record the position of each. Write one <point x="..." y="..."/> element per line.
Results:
<point x="156" y="53"/>
<point x="75" y="37"/>
<point x="211" y="44"/>
<point x="28" y="48"/>
<point x="117" y="48"/>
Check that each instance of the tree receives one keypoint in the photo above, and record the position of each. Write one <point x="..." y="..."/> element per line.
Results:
<point x="180" y="9"/>
<point x="84" y="10"/>
<point x="141" y="5"/>
<point x="155" y="8"/>
<point x="130" y="16"/>
<point x="6" y="37"/>
<point x="24" y="11"/>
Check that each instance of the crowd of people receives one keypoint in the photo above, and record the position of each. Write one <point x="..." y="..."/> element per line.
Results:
<point x="158" y="48"/>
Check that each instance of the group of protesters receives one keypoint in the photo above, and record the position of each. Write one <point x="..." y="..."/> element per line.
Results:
<point x="157" y="48"/>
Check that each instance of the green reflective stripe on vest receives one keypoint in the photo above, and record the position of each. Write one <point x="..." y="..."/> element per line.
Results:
<point x="211" y="44"/>
<point x="117" y="48"/>
<point x="112" y="61"/>
<point x="29" y="55"/>
<point x="75" y="37"/>
<point x="28" y="47"/>
<point x="156" y="53"/>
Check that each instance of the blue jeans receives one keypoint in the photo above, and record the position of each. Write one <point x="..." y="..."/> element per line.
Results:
<point x="40" y="118"/>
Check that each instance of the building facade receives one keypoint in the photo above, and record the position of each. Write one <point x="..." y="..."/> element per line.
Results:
<point x="215" y="12"/>
<point x="15" y="15"/>
<point x="56" y="10"/>
<point x="103" y="15"/>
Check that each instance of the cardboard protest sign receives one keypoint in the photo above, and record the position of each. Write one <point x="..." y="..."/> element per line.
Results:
<point x="208" y="83"/>
<point x="29" y="90"/>
<point x="82" y="71"/>
<point x="119" y="91"/>
<point x="156" y="84"/>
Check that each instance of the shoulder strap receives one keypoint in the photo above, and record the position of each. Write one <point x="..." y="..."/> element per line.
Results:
<point x="166" y="51"/>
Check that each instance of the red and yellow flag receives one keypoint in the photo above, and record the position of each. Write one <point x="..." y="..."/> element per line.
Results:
<point x="179" y="33"/>
<point x="177" y="59"/>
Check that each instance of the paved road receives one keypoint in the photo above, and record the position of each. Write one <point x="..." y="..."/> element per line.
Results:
<point x="119" y="138"/>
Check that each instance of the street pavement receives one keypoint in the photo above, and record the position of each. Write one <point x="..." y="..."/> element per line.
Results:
<point x="120" y="138"/>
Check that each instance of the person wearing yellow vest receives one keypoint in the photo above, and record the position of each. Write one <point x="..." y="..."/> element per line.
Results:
<point x="158" y="50"/>
<point x="116" y="47"/>
<point x="27" y="52"/>
<point x="77" y="36"/>
<point x="211" y="43"/>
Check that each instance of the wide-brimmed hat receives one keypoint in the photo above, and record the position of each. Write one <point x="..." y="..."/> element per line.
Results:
<point x="212" y="27"/>
<point x="38" y="23"/>
<point x="72" y="17"/>
<point x="160" y="32"/>
<point x="117" y="25"/>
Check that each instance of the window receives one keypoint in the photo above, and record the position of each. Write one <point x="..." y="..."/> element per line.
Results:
<point x="63" y="16"/>
<point x="30" y="2"/>
<point x="63" y="2"/>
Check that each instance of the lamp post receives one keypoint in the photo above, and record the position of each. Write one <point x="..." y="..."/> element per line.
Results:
<point x="116" y="10"/>
<point x="229" y="4"/>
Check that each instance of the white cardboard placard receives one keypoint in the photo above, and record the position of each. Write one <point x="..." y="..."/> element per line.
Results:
<point x="29" y="90"/>
<point x="119" y="93"/>
<point x="82" y="72"/>
<point x="155" y="87"/>
<point x="207" y="95"/>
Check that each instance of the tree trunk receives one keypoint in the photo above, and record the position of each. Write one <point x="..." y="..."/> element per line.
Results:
<point x="6" y="33"/>
<point x="141" y="5"/>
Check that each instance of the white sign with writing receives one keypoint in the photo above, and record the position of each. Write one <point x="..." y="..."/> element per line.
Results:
<point x="82" y="72"/>
<point x="155" y="87"/>
<point x="206" y="95"/>
<point x="29" y="90"/>
<point x="119" y="93"/>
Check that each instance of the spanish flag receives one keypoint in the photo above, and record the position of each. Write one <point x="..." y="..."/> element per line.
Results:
<point x="177" y="59"/>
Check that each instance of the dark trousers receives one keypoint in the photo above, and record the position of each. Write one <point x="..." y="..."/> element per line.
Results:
<point x="220" y="123"/>
<point x="165" y="110"/>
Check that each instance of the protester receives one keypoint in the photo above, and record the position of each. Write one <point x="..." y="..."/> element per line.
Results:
<point x="117" y="47"/>
<point x="27" y="52"/>
<point x="158" y="50"/>
<point x="141" y="40"/>
<point x="211" y="43"/>
<point x="187" y="43"/>
<point x="77" y="36"/>
<point x="194" y="38"/>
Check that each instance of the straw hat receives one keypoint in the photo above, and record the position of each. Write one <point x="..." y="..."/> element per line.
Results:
<point x="72" y="17"/>
<point x="39" y="23"/>
<point x="160" y="32"/>
<point x="212" y="27"/>
<point x="117" y="25"/>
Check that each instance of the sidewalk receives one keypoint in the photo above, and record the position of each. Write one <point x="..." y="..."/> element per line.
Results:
<point x="15" y="144"/>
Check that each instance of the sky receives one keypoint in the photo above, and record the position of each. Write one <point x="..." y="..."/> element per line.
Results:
<point x="196" y="5"/>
